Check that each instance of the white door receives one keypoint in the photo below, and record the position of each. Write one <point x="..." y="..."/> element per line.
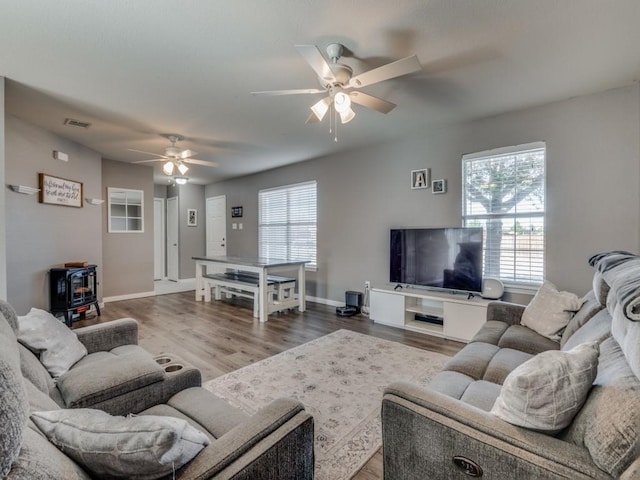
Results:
<point x="158" y="239"/>
<point x="173" y="247"/>
<point x="216" y="212"/>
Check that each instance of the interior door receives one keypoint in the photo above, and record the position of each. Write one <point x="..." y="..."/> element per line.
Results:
<point x="216" y="212"/>
<point x="158" y="239"/>
<point x="173" y="246"/>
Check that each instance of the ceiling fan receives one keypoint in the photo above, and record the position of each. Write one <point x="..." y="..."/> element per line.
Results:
<point x="338" y="81"/>
<point x="174" y="157"/>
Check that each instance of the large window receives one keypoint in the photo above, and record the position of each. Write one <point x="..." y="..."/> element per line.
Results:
<point x="504" y="192"/>
<point x="287" y="222"/>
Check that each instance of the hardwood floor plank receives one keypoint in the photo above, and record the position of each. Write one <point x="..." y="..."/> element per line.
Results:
<point x="222" y="336"/>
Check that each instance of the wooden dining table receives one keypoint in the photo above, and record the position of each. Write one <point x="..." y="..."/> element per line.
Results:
<point x="263" y="267"/>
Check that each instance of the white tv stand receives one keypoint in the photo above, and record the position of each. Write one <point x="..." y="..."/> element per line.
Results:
<point x="453" y="316"/>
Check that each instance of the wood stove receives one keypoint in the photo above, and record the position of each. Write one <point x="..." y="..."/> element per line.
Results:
<point x="73" y="291"/>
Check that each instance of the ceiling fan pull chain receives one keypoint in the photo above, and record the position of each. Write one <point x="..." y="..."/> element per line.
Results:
<point x="335" y="121"/>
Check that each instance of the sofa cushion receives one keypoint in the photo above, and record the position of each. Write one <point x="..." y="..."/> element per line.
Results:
<point x="40" y="460"/>
<point x="627" y="334"/>
<point x="104" y="375"/>
<point x="546" y="392"/>
<point x="503" y="363"/>
<point x="600" y="288"/>
<point x="472" y="360"/>
<point x="205" y="408"/>
<point x="481" y="394"/>
<point x="550" y="310"/>
<point x="13" y="399"/>
<point x="57" y="346"/>
<point x="595" y="330"/>
<point x="589" y="308"/>
<point x="608" y="424"/>
<point x="34" y="371"/>
<point x="491" y="332"/>
<point x="122" y="447"/>
<point x="450" y="383"/>
<point x="519" y="337"/>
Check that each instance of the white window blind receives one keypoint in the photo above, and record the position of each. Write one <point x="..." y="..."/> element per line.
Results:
<point x="504" y="192"/>
<point x="288" y="222"/>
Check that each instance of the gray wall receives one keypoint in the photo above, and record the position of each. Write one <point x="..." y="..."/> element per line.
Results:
<point x="3" y="230"/>
<point x="41" y="236"/>
<point x="191" y="239"/>
<point x="593" y="175"/>
<point x="128" y="257"/>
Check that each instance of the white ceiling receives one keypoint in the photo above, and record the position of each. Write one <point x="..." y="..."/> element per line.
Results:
<point x="136" y="69"/>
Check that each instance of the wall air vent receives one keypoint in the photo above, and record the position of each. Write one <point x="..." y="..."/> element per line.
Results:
<point x="76" y="123"/>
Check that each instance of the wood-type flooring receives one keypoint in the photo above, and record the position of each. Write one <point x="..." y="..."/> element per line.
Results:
<point x="222" y="336"/>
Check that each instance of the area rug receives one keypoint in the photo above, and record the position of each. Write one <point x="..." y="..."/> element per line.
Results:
<point x="340" y="379"/>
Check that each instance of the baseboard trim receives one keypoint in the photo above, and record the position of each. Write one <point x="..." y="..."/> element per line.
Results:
<point x="128" y="296"/>
<point x="324" y="301"/>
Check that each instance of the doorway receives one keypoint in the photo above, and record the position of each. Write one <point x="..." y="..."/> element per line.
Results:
<point x="173" y="246"/>
<point x="216" y="234"/>
<point x="159" y="243"/>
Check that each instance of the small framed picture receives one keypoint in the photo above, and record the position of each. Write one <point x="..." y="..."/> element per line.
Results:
<point x="236" y="212"/>
<point x="439" y="186"/>
<point x="420" y="178"/>
<point x="192" y="217"/>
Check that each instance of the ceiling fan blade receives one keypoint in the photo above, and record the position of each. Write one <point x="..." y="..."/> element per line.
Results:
<point x="386" y="72"/>
<point x="314" y="58"/>
<point x="200" y="162"/>
<point x="187" y="153"/>
<point x="289" y="92"/>
<point x="153" y="160"/>
<point x="148" y="153"/>
<point x="312" y="119"/>
<point x="369" y="101"/>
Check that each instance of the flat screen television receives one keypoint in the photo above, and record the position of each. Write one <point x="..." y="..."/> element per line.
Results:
<point x="439" y="258"/>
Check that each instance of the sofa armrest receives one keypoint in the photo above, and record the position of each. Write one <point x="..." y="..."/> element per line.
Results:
<point x="108" y="335"/>
<point x="506" y="312"/>
<point x="276" y="442"/>
<point x="423" y="430"/>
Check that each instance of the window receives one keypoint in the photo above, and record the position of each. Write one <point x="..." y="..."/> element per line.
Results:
<point x="504" y="192"/>
<point x="126" y="210"/>
<point x="287" y="223"/>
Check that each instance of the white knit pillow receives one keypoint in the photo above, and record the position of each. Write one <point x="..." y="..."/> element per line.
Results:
<point x="549" y="311"/>
<point x="546" y="391"/>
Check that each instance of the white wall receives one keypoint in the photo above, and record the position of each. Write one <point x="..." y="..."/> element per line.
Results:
<point x="593" y="191"/>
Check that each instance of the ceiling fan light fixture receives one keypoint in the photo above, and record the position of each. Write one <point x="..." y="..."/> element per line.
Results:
<point x="183" y="168"/>
<point x="181" y="180"/>
<point x="342" y="103"/>
<point x="320" y="109"/>
<point x="347" y="116"/>
<point x="167" y="168"/>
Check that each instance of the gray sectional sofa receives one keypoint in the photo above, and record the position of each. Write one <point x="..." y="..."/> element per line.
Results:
<point x="447" y="430"/>
<point x="119" y="377"/>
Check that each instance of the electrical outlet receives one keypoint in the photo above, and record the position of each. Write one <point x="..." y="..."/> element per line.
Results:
<point x="367" y="284"/>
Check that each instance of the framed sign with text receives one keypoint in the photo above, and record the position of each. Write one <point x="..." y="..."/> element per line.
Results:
<point x="59" y="191"/>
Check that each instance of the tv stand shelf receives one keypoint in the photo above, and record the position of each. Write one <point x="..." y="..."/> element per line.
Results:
<point x="442" y="314"/>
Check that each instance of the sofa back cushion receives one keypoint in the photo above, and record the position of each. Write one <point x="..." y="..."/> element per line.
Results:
<point x="595" y="330"/>
<point x="608" y="424"/>
<point x="13" y="399"/>
<point x="589" y="308"/>
<point x="34" y="371"/>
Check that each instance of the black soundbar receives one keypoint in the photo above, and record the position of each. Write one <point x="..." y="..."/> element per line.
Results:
<point x="424" y="317"/>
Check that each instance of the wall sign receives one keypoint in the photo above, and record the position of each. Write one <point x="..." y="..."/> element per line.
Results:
<point x="59" y="191"/>
<point x="421" y="178"/>
<point x="236" y="212"/>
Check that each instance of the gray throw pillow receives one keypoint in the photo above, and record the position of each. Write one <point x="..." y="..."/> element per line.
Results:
<point x="57" y="346"/>
<point x="547" y="391"/>
<point x="549" y="311"/>
<point x="137" y="447"/>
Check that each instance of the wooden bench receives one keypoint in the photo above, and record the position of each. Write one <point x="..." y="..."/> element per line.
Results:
<point x="280" y="290"/>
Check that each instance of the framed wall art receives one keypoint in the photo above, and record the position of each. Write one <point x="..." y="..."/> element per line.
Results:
<point x="59" y="191"/>
<point x="439" y="186"/>
<point x="420" y="178"/>
<point x="192" y="217"/>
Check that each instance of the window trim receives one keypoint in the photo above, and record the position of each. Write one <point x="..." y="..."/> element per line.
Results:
<point x="512" y="285"/>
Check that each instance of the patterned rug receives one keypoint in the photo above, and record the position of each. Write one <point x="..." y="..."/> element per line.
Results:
<point x="340" y="379"/>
